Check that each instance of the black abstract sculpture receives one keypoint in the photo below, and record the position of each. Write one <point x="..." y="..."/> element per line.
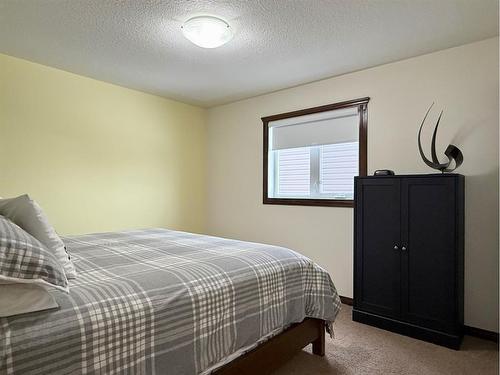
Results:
<point x="452" y="152"/>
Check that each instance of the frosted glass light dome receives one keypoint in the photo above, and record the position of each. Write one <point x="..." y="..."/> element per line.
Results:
<point x="207" y="31"/>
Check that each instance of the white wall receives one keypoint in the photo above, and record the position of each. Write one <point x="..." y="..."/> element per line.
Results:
<point x="462" y="80"/>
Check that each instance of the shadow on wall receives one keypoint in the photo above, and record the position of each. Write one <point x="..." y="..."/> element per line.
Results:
<point x="481" y="262"/>
<point x="465" y="131"/>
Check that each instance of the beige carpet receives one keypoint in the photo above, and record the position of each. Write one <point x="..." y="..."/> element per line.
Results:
<point x="361" y="349"/>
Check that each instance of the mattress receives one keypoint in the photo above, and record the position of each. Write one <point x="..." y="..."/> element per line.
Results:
<point x="158" y="301"/>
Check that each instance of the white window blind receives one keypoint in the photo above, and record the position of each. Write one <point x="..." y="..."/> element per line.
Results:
<point x="293" y="170"/>
<point x="338" y="166"/>
<point x="313" y="130"/>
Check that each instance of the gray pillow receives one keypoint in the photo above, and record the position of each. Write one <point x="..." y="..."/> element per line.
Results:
<point x="26" y="213"/>
<point x="24" y="259"/>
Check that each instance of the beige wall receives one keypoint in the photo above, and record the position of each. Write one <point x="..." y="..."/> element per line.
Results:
<point x="463" y="81"/>
<point x="96" y="156"/>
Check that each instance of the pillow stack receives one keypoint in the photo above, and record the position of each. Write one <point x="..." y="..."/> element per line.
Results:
<point x="33" y="258"/>
<point x="26" y="213"/>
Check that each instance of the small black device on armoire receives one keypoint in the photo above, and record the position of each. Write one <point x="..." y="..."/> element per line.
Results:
<point x="409" y="255"/>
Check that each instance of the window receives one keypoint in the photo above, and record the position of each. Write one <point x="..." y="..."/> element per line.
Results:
<point x="311" y="156"/>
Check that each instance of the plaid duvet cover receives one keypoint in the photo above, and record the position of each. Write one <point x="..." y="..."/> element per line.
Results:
<point x="158" y="301"/>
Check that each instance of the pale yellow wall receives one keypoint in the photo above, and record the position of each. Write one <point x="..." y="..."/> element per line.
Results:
<point x="463" y="81"/>
<point x="97" y="156"/>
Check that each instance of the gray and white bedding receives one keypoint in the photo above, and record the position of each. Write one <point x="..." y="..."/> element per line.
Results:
<point x="158" y="301"/>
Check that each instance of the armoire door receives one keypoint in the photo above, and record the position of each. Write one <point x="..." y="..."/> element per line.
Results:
<point x="377" y="239"/>
<point x="429" y="257"/>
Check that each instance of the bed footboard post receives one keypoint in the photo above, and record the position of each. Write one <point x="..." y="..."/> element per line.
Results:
<point x="319" y="343"/>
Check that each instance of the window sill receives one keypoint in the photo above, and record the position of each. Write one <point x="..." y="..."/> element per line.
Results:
<point x="309" y="202"/>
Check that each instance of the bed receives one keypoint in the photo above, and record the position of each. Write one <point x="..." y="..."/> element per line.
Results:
<point x="158" y="301"/>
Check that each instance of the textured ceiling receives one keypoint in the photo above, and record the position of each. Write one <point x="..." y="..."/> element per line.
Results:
<point x="277" y="43"/>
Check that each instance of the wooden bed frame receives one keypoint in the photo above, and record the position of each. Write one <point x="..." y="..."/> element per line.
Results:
<point x="271" y="354"/>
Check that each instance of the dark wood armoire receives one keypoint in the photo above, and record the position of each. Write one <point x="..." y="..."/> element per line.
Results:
<point x="409" y="255"/>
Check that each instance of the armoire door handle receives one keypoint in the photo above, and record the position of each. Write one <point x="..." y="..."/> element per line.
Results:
<point x="403" y="248"/>
<point x="396" y="247"/>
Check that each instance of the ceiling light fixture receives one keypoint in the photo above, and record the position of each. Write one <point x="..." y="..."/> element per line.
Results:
<point x="207" y="31"/>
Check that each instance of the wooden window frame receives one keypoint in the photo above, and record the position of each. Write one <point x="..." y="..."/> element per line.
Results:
<point x="362" y="105"/>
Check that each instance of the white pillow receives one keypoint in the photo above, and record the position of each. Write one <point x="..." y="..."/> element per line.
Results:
<point x="24" y="298"/>
<point x="26" y="213"/>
